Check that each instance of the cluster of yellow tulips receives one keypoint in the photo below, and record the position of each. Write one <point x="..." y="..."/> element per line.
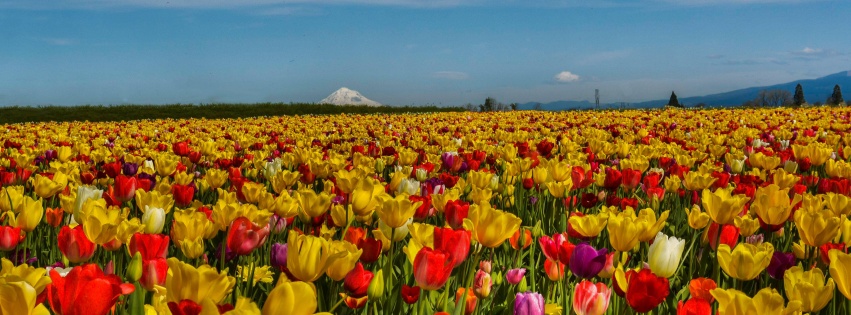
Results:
<point x="741" y="211"/>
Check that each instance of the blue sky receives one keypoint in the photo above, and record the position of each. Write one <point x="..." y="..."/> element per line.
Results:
<point x="404" y="52"/>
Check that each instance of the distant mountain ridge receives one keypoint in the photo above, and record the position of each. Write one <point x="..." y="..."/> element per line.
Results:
<point x="815" y="90"/>
<point x="346" y="96"/>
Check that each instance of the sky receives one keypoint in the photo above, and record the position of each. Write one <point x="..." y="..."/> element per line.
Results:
<point x="410" y="52"/>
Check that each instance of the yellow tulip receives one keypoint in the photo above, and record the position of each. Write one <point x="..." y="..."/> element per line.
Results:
<point x="292" y="298"/>
<point x="10" y="197"/>
<point x="284" y="205"/>
<point x="808" y="287"/>
<point x="166" y="164"/>
<point x="100" y="223"/>
<point x="64" y="153"/>
<point x="348" y="180"/>
<point x="284" y="180"/>
<point x="559" y="189"/>
<point x="19" y="297"/>
<point x="762" y="161"/>
<point x="340" y="265"/>
<point x="696" y="219"/>
<point x="244" y="306"/>
<point x="746" y="261"/>
<point x="154" y="199"/>
<point x="559" y="170"/>
<point x="366" y="196"/>
<point x="216" y="178"/>
<point x="313" y="204"/>
<point x="395" y="212"/>
<point x="127" y="228"/>
<point x="253" y="192"/>
<point x="722" y="206"/>
<point x="624" y="229"/>
<point x="846" y="231"/>
<point x="30" y="213"/>
<point x="439" y="200"/>
<point x="185" y="282"/>
<point x="479" y="179"/>
<point x="184" y="178"/>
<point x="654" y="225"/>
<point x="46" y="187"/>
<point x="746" y="224"/>
<point x="540" y="175"/>
<point x="766" y="302"/>
<point x="308" y="256"/>
<point x="783" y="179"/>
<point x="839" y="204"/>
<point x="698" y="181"/>
<point x="840" y="271"/>
<point x="589" y="225"/>
<point x="188" y="230"/>
<point x="773" y="205"/>
<point x="36" y="277"/>
<point x="672" y="183"/>
<point x="480" y="196"/>
<point x="491" y="227"/>
<point x="816" y="227"/>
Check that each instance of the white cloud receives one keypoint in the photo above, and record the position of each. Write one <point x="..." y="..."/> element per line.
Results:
<point x="451" y="75"/>
<point x="566" y="76"/>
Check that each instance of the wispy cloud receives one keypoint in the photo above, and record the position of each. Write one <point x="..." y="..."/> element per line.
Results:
<point x="809" y="53"/>
<point x="451" y="75"/>
<point x="753" y="61"/>
<point x="566" y="77"/>
<point x="726" y="2"/>
<point x="715" y="56"/>
<point x="289" y="10"/>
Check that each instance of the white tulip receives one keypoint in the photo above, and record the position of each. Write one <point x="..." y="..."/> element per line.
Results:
<point x="665" y="254"/>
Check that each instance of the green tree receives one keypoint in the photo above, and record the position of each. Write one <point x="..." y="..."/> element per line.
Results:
<point x="674" y="101"/>
<point x="836" y="97"/>
<point x="798" y="99"/>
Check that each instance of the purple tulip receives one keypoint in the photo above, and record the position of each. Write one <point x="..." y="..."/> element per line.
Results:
<point x="780" y="262"/>
<point x="586" y="262"/>
<point x="514" y="276"/>
<point x="529" y="303"/>
<point x="279" y="256"/>
<point x="130" y="169"/>
<point x="50" y="155"/>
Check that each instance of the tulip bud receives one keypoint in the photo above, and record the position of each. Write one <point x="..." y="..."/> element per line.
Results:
<point x="485" y="265"/>
<point x="537" y="231"/>
<point x="134" y="269"/>
<point x="154" y="220"/>
<point x="514" y="276"/>
<point x="376" y="287"/>
<point x="522" y="287"/>
<point x="497" y="278"/>
<point x="494" y="184"/>
<point x="379" y="166"/>
<point x="422" y="174"/>
<point x="482" y="284"/>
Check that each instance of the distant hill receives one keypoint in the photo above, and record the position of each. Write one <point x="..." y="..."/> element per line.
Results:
<point x="815" y="90"/>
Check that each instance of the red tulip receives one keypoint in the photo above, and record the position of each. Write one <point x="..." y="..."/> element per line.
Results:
<point x="729" y="235"/>
<point x="701" y="287"/>
<point x="180" y="148"/>
<point x="432" y="268"/>
<point x="85" y="290"/>
<point x="112" y="169"/>
<point x="151" y="246"/>
<point x="244" y="236"/>
<point x="183" y="194"/>
<point x="613" y="179"/>
<point x="425" y="210"/>
<point x="630" y="179"/>
<point x="185" y="307"/>
<point x="652" y="179"/>
<point x="410" y="294"/>
<point x="357" y="281"/>
<point x="371" y="249"/>
<point x="646" y="291"/>
<point x="581" y="178"/>
<point x="125" y="188"/>
<point x="456" y="211"/>
<point x="154" y="272"/>
<point x="74" y="244"/>
<point x="694" y="306"/>
<point x="550" y="245"/>
<point x="10" y="237"/>
<point x="469" y="302"/>
<point x="456" y="243"/>
<point x="591" y="298"/>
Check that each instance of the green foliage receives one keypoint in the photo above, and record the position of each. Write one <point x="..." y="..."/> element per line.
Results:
<point x="17" y="114"/>
<point x="674" y="101"/>
<point x="836" y="97"/>
<point x="798" y="99"/>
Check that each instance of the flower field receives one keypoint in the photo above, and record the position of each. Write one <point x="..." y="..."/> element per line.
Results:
<point x="598" y="212"/>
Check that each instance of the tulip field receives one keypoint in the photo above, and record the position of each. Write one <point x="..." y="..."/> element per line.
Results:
<point x="723" y="211"/>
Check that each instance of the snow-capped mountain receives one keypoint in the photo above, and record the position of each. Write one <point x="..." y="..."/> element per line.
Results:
<point x="346" y="96"/>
